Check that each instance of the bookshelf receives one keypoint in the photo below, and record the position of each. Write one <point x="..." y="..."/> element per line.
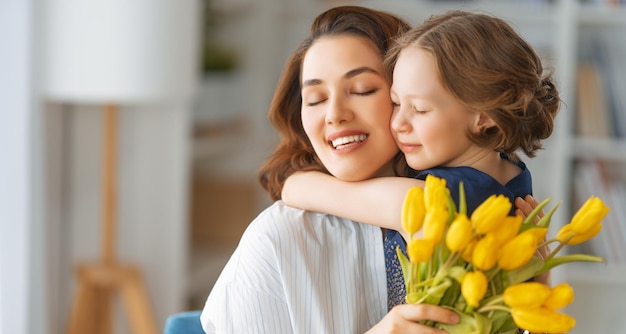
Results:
<point x="566" y="33"/>
<point x="594" y="160"/>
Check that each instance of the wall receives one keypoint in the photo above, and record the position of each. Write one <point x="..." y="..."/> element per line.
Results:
<point x="18" y="226"/>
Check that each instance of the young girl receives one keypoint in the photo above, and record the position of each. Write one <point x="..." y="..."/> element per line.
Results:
<point x="468" y="92"/>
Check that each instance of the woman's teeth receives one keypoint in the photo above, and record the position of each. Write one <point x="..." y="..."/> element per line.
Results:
<point x="343" y="141"/>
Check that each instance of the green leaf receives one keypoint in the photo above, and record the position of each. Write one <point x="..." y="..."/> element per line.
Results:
<point x="482" y="323"/>
<point x="404" y="263"/>
<point x="502" y="322"/>
<point x="467" y="325"/>
<point x="452" y="294"/>
<point x="414" y="297"/>
<point x="545" y="220"/>
<point x="531" y="218"/>
<point x="557" y="261"/>
<point x="462" y="202"/>
<point x="436" y="292"/>
<point x="457" y="273"/>
<point x="531" y="269"/>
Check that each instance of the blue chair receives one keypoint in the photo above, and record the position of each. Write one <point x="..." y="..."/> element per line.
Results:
<point x="184" y="323"/>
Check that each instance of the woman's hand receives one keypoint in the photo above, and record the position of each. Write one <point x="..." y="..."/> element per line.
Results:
<point x="405" y="319"/>
<point x="523" y="207"/>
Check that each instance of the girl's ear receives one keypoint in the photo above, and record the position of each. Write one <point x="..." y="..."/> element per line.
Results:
<point x="483" y="121"/>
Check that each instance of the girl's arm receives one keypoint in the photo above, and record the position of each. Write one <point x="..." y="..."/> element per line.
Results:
<point x="375" y="201"/>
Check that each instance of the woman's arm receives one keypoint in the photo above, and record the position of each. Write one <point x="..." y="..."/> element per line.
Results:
<point x="376" y="201"/>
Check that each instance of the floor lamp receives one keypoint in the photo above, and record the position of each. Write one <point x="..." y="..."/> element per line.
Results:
<point x="114" y="53"/>
<point x="101" y="281"/>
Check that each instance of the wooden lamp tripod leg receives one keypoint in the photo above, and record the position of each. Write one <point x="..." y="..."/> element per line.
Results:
<point x="99" y="282"/>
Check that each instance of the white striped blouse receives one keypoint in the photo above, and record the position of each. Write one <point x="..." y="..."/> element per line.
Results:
<point x="300" y="272"/>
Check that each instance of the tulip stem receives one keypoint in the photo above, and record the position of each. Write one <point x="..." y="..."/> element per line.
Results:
<point x="493" y="308"/>
<point x="555" y="251"/>
<point x="451" y="260"/>
<point x="547" y="242"/>
<point x="493" y="302"/>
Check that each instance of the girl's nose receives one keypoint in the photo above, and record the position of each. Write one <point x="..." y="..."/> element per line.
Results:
<point x="338" y="111"/>
<point x="399" y="120"/>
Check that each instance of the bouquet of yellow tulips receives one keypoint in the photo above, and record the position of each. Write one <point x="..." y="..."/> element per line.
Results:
<point x="482" y="265"/>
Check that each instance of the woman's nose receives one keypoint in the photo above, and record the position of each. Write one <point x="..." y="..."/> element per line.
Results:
<point x="339" y="111"/>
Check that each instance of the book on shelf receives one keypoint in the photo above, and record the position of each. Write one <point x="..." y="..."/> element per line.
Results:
<point x="607" y="56"/>
<point x="592" y="111"/>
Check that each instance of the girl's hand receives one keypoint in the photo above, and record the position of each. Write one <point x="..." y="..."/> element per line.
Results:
<point x="523" y="208"/>
<point x="405" y="319"/>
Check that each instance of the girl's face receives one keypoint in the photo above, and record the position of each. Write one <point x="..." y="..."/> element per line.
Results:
<point x="346" y="108"/>
<point x="429" y="123"/>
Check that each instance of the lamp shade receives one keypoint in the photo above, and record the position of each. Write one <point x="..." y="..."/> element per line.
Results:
<point x="120" y="51"/>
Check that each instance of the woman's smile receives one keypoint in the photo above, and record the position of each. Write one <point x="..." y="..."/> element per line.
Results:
<point x="343" y="140"/>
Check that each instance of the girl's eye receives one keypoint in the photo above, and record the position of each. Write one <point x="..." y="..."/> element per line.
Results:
<point x="415" y="109"/>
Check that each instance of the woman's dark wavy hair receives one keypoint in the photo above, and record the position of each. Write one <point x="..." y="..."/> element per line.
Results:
<point x="294" y="151"/>
<point x="491" y="69"/>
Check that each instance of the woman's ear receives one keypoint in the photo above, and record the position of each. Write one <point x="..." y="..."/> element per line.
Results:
<point x="483" y="121"/>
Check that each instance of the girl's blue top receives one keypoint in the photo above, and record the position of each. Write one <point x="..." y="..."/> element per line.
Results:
<point x="478" y="187"/>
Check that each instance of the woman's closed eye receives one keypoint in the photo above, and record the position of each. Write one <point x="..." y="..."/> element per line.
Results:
<point x="313" y="103"/>
<point x="366" y="92"/>
<point x="314" y="100"/>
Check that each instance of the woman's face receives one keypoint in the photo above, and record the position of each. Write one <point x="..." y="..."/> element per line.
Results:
<point x="346" y="107"/>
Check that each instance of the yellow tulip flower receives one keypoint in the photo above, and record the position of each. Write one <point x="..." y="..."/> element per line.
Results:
<point x="485" y="253"/>
<point x="420" y="250"/>
<point x="538" y="232"/>
<point x="491" y="213"/>
<point x="468" y="251"/>
<point x="517" y="252"/>
<point x="542" y="319"/>
<point x="560" y="296"/>
<point x="508" y="229"/>
<point x="526" y="295"/>
<point x="413" y="210"/>
<point x="589" y="215"/>
<point x="435" y="224"/>
<point x="474" y="287"/>
<point x="436" y="193"/>
<point x="459" y="234"/>
<point x="569" y="237"/>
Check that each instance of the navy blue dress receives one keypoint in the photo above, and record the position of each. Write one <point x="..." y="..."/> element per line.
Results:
<point x="478" y="187"/>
